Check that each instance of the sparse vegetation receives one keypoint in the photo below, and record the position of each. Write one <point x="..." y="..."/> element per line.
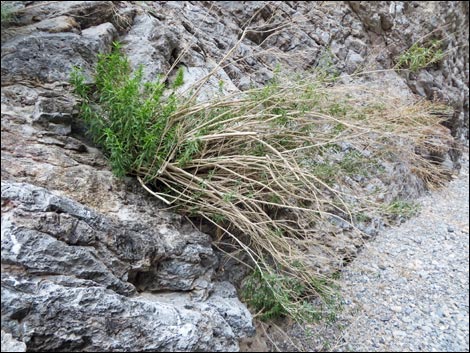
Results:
<point x="7" y="13"/>
<point x="274" y="295"/>
<point x="401" y="208"/>
<point x="419" y="56"/>
<point x="265" y="168"/>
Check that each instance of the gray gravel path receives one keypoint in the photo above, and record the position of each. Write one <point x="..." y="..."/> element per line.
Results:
<point x="409" y="289"/>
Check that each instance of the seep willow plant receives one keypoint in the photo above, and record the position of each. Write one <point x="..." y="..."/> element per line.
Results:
<point x="128" y="118"/>
<point x="260" y="166"/>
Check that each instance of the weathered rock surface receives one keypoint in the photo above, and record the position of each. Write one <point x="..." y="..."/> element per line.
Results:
<point x="71" y="279"/>
<point x="9" y="344"/>
<point x="349" y="37"/>
<point x="90" y="262"/>
<point x="53" y="235"/>
<point x="66" y="313"/>
<point x="396" y="26"/>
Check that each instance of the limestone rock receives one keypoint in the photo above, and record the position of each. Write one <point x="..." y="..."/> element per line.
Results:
<point x="71" y="275"/>
<point x="9" y="344"/>
<point x="65" y="313"/>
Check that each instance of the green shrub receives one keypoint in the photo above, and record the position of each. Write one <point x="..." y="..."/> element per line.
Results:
<point x="420" y="56"/>
<point x="131" y="124"/>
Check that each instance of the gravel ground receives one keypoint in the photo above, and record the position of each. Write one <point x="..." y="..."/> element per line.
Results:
<point x="408" y="289"/>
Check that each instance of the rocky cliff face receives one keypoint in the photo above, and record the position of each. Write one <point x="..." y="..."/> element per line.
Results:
<point x="90" y="262"/>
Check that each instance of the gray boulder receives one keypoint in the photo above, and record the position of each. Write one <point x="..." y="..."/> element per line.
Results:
<point x="74" y="279"/>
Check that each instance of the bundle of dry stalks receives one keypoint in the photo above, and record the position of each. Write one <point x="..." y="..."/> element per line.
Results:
<point x="253" y="174"/>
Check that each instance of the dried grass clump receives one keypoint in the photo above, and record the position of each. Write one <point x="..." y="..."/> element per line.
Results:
<point x="261" y="165"/>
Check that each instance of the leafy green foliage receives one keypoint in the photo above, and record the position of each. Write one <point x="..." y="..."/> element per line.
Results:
<point x="275" y="295"/>
<point x="362" y="217"/>
<point x="129" y="118"/>
<point x="421" y="56"/>
<point x="267" y="293"/>
<point x="326" y="171"/>
<point x="351" y="163"/>
<point x="179" y="79"/>
<point x="402" y="208"/>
